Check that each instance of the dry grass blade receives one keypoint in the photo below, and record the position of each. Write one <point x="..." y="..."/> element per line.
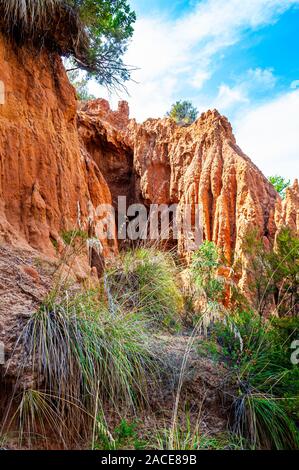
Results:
<point x="38" y="22"/>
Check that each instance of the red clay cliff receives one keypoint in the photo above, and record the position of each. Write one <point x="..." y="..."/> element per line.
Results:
<point x="59" y="163"/>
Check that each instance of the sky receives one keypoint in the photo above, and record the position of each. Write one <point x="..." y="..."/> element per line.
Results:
<point x="238" y="56"/>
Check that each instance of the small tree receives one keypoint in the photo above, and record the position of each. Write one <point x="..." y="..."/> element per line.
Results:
<point x="259" y="270"/>
<point x="285" y="272"/>
<point x="205" y="264"/>
<point x="280" y="184"/>
<point x="183" y="112"/>
<point x="274" y="274"/>
<point x="108" y="25"/>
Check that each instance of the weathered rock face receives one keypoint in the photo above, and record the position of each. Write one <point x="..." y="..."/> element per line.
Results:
<point x="105" y="136"/>
<point x="48" y="184"/>
<point x="202" y="164"/>
<point x="53" y="177"/>
<point x="290" y="213"/>
<point x="162" y="163"/>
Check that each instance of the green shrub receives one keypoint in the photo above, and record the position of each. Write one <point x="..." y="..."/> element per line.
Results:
<point x="280" y="184"/>
<point x="124" y="436"/>
<point x="238" y="336"/>
<point x="274" y="273"/>
<point x="266" y="383"/>
<point x="204" y="266"/>
<point x="209" y="348"/>
<point x="71" y="235"/>
<point x="183" y="112"/>
<point x="284" y="261"/>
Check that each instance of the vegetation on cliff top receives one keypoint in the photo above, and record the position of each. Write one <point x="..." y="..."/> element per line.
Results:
<point x="93" y="33"/>
<point x="183" y="113"/>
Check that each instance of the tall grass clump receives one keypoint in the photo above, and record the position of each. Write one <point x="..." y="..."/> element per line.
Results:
<point x="266" y="383"/>
<point x="146" y="282"/>
<point x="186" y="437"/>
<point x="82" y="358"/>
<point x="257" y="351"/>
<point x="189" y="434"/>
<point x="191" y="438"/>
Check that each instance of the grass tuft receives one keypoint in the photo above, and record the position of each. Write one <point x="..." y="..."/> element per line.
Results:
<point x="82" y="357"/>
<point x="147" y="283"/>
<point x="263" y="421"/>
<point x="265" y="382"/>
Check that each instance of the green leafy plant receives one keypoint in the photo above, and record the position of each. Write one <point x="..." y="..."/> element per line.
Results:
<point x="280" y="184"/>
<point x="124" y="436"/>
<point x="204" y="266"/>
<point x="70" y="236"/>
<point x="183" y="113"/>
<point x="208" y="348"/>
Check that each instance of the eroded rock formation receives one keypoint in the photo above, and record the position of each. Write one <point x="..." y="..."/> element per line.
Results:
<point x="48" y="184"/>
<point x="59" y="163"/>
<point x="162" y="163"/>
<point x="290" y="214"/>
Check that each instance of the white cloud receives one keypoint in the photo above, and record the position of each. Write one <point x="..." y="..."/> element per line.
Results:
<point x="295" y="84"/>
<point x="229" y="97"/>
<point x="174" y="53"/>
<point x="253" y="81"/>
<point x="261" y="78"/>
<point x="199" y="78"/>
<point x="269" y="134"/>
